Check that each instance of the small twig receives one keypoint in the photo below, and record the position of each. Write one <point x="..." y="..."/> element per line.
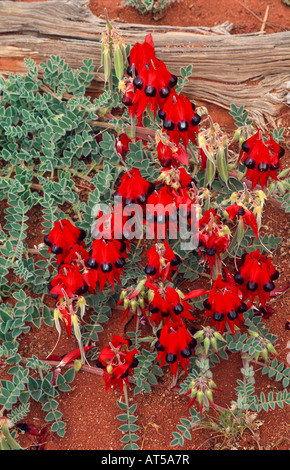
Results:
<point x="265" y="19"/>
<point x="272" y="25"/>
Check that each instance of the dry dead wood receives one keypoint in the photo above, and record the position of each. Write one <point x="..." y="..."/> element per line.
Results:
<point x="248" y="69"/>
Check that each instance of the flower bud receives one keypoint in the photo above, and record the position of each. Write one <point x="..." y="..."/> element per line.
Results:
<point x="123" y="294"/>
<point x="271" y="348"/>
<point x="141" y="302"/>
<point x="265" y="354"/>
<point x="206" y="344"/>
<point x="237" y="135"/>
<point x="133" y="305"/>
<point x="217" y="335"/>
<point x="200" y="396"/>
<point x="150" y="295"/>
<point x="281" y="187"/>
<point x="180" y="293"/>
<point x="109" y="369"/>
<point x="209" y="395"/>
<point x="211" y="384"/>
<point x="213" y="343"/>
<point x="198" y="334"/>
<point x="193" y="392"/>
<point x="140" y="285"/>
<point x="77" y="365"/>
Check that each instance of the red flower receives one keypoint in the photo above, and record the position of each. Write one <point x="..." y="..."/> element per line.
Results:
<point x="161" y="214"/>
<point x="167" y="304"/>
<point x="224" y="305"/>
<point x="123" y="141"/>
<point x="256" y="277"/>
<point x="212" y="236"/>
<point x="175" y="345"/>
<point x="122" y="145"/>
<point x="90" y="277"/>
<point x="152" y="80"/>
<point x="111" y="225"/>
<point x="117" y="363"/>
<point x="262" y="159"/>
<point x="108" y="259"/>
<point x="171" y="155"/>
<point x="61" y="238"/>
<point x="152" y="87"/>
<point x="134" y="189"/>
<point x="68" y="279"/>
<point x="203" y="158"/>
<point x="162" y="261"/>
<point x="66" y="318"/>
<point x="77" y="255"/>
<point x="185" y="201"/>
<point x="180" y="119"/>
<point x="141" y="54"/>
<point x="245" y="215"/>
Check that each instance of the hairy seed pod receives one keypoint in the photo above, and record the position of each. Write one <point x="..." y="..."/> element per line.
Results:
<point x="118" y="61"/>
<point x="103" y="48"/>
<point x="107" y="63"/>
<point x="241" y="231"/>
<point x="222" y="164"/>
<point x="210" y="172"/>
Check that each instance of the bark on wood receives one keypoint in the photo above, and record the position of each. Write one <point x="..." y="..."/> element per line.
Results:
<point x="250" y="70"/>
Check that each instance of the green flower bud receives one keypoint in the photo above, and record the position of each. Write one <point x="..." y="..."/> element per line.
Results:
<point x="140" y="285"/>
<point x="209" y="395"/>
<point x="133" y="305"/>
<point x="123" y="294"/>
<point x="271" y="348"/>
<point x="200" y="396"/>
<point x="109" y="369"/>
<point x="198" y="334"/>
<point x="206" y="344"/>
<point x="265" y="354"/>
<point x="218" y="336"/>
<point x="211" y="384"/>
<point x="237" y="135"/>
<point x="193" y="392"/>
<point x="213" y="342"/>
<point x="150" y="295"/>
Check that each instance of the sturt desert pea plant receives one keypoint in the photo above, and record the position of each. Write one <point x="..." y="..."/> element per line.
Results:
<point x="148" y="85"/>
<point x="161" y="151"/>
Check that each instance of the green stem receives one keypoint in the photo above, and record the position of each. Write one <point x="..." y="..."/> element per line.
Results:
<point x="10" y="173"/>
<point x="137" y="325"/>
<point x="133" y="129"/>
<point x="125" y="390"/>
